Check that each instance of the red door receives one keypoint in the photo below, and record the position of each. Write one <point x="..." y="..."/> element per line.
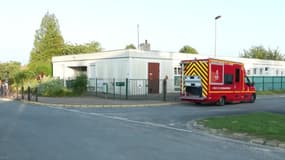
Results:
<point x="153" y="77"/>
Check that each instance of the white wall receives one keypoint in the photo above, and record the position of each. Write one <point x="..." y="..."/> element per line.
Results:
<point x="273" y="67"/>
<point x="112" y="68"/>
<point x="133" y="64"/>
<point x="138" y="68"/>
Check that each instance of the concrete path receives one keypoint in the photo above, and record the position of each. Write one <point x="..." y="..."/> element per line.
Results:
<point x="97" y="102"/>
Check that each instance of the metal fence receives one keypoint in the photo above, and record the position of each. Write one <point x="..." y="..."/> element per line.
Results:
<point x="133" y="88"/>
<point x="154" y="89"/>
<point x="264" y="83"/>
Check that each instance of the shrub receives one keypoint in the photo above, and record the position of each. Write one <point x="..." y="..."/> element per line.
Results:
<point x="53" y="88"/>
<point x="79" y="85"/>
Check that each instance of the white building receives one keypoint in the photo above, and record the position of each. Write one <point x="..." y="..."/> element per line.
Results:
<point x="144" y="66"/>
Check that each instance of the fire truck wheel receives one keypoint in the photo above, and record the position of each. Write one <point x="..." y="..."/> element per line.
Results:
<point x="253" y="98"/>
<point x="221" y="101"/>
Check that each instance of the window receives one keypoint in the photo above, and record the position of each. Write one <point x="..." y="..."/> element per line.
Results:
<point x="175" y="71"/>
<point x="248" y="81"/>
<point x="237" y="75"/>
<point x="254" y="71"/>
<point x="177" y="77"/>
<point x="179" y="71"/>
<point x="260" y="70"/>
<point x="92" y="71"/>
<point x="277" y="72"/>
<point x="228" y="79"/>
<point x="177" y="81"/>
<point x="266" y="69"/>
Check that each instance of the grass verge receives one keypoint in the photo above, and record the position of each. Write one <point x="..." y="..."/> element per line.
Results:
<point x="263" y="125"/>
<point x="270" y="92"/>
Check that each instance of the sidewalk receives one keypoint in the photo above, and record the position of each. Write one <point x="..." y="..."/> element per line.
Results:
<point x="91" y="101"/>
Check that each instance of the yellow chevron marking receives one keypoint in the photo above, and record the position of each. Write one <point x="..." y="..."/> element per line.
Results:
<point x="198" y="68"/>
<point x="203" y="68"/>
<point x="203" y="78"/>
<point x="187" y="67"/>
<point x="203" y="75"/>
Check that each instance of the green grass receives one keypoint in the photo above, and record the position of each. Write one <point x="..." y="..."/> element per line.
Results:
<point x="264" y="125"/>
<point x="270" y="92"/>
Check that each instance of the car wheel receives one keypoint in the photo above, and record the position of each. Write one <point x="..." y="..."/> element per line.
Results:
<point x="253" y="98"/>
<point x="221" y="101"/>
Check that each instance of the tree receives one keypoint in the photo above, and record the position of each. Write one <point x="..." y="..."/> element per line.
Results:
<point x="48" y="42"/>
<point x="275" y="54"/>
<point x="130" y="46"/>
<point x="91" y="47"/>
<point x="188" y="49"/>
<point x="8" y="70"/>
<point x="260" y="52"/>
<point x="22" y="76"/>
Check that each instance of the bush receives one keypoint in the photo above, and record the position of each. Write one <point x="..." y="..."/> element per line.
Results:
<point x="79" y="85"/>
<point x="53" y="88"/>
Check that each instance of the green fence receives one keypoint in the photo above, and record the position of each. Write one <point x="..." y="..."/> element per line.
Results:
<point x="265" y="83"/>
<point x="133" y="88"/>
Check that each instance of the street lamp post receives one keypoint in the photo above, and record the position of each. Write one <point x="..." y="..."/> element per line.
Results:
<point x="138" y="31"/>
<point x="216" y="18"/>
<point x="7" y="84"/>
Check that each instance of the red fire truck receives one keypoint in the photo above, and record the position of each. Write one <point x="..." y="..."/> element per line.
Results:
<point x="215" y="81"/>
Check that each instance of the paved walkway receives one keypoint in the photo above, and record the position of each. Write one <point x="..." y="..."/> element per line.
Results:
<point x="97" y="102"/>
<point x="92" y="101"/>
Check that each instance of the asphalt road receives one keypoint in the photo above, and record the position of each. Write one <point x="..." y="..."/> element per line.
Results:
<point x="30" y="132"/>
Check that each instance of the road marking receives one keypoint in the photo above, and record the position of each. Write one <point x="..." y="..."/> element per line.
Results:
<point x="6" y="99"/>
<point x="145" y="123"/>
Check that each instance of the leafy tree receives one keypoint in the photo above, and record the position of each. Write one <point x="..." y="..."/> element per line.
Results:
<point x="48" y="42"/>
<point x="275" y="54"/>
<point x="22" y="76"/>
<point x="19" y="78"/>
<point x="93" y="47"/>
<point x="8" y="70"/>
<point x="81" y="49"/>
<point x="130" y="46"/>
<point x="188" y="49"/>
<point x="260" y="52"/>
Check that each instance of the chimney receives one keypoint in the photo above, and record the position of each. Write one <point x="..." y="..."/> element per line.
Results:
<point x="145" y="46"/>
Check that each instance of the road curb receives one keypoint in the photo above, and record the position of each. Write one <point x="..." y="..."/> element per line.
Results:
<point x="282" y="145"/>
<point x="258" y="141"/>
<point x="238" y="136"/>
<point x="100" y="105"/>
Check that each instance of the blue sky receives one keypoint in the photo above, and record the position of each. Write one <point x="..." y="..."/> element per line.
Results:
<point x="166" y="24"/>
